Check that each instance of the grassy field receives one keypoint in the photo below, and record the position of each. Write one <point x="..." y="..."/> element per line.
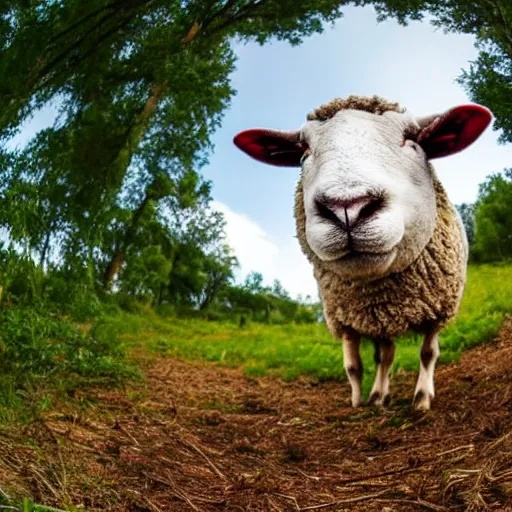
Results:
<point x="294" y="350"/>
<point x="43" y="357"/>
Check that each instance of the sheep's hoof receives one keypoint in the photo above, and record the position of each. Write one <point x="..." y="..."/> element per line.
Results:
<point x="356" y="402"/>
<point x="378" y="400"/>
<point x="422" y="400"/>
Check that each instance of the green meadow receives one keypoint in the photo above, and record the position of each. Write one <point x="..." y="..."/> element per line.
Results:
<point x="294" y="350"/>
<point x="44" y="356"/>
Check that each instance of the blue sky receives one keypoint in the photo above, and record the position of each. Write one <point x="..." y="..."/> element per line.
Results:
<point x="278" y="85"/>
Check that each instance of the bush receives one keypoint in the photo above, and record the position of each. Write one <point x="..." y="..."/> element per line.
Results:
<point x="305" y="316"/>
<point x="84" y="304"/>
<point x="22" y="281"/>
<point x="79" y="300"/>
<point x="166" y="310"/>
<point x="41" y="351"/>
<point x="277" y="318"/>
<point x="130" y="304"/>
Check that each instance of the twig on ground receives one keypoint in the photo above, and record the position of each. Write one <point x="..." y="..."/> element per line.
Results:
<point x="464" y="447"/>
<point x="501" y="476"/>
<point x="45" y="481"/>
<point x="398" y="471"/>
<point x="83" y="447"/>
<point x="419" y="446"/>
<point x="316" y="478"/>
<point x="417" y="501"/>
<point x="347" y="500"/>
<point x="180" y="493"/>
<point x="126" y="433"/>
<point x="351" y="485"/>
<point x="458" y="476"/>
<point x="499" y="441"/>
<point x="151" y="505"/>
<point x="170" y="483"/>
<point x="292" y="498"/>
<point x="273" y="505"/>
<point x="210" y="463"/>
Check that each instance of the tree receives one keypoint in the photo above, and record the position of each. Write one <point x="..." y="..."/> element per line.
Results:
<point x="217" y="269"/>
<point x="279" y="291"/>
<point x="467" y="213"/>
<point x="147" y="270"/>
<point x="84" y="176"/>
<point x="248" y="302"/>
<point x="201" y="262"/>
<point x="254" y="283"/>
<point x="494" y="218"/>
<point x="489" y="79"/>
<point x="46" y="46"/>
<point x="141" y="85"/>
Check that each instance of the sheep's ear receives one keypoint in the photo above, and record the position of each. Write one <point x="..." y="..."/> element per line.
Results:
<point x="453" y="131"/>
<point x="271" y="146"/>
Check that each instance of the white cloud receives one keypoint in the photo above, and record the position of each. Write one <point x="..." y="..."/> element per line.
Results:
<point x="251" y="244"/>
<point x="258" y="251"/>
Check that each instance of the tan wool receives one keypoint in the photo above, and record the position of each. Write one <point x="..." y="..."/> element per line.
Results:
<point x="425" y="294"/>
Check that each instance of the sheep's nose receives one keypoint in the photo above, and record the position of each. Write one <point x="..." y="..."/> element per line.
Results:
<point x="348" y="212"/>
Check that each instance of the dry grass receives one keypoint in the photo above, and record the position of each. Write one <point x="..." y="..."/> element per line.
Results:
<point x="199" y="437"/>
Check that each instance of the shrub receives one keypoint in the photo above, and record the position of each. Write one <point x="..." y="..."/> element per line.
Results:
<point x="40" y="351"/>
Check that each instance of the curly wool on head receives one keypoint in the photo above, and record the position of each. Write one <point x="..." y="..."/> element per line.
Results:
<point x="373" y="105"/>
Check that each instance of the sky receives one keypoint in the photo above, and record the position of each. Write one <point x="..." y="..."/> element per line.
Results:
<point x="277" y="85"/>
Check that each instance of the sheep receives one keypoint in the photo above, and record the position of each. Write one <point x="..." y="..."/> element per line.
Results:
<point x="388" y="249"/>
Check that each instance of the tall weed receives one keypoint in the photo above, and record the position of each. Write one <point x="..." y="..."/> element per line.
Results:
<point x="39" y="351"/>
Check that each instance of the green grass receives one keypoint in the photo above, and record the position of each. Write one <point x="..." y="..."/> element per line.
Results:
<point x="26" y="505"/>
<point x="43" y="357"/>
<point x="488" y="297"/>
<point x="295" y="350"/>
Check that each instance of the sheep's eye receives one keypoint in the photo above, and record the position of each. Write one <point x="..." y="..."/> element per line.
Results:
<point x="304" y="156"/>
<point x="409" y="135"/>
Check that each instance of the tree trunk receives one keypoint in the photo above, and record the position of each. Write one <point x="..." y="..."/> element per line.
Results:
<point x="44" y="251"/>
<point x="124" y="157"/>
<point x="118" y="257"/>
<point x="112" y="269"/>
<point x="137" y="129"/>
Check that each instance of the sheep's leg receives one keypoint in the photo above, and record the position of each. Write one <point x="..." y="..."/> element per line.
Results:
<point x="353" y="364"/>
<point x="384" y="355"/>
<point x="424" y="392"/>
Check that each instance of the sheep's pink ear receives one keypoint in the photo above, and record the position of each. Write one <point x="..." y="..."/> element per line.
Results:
<point x="453" y="131"/>
<point x="271" y="146"/>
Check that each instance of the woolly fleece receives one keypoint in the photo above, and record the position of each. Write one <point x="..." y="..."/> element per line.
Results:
<point x="425" y="295"/>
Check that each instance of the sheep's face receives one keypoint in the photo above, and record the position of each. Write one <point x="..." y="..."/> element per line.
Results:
<point x="368" y="192"/>
<point x="367" y="182"/>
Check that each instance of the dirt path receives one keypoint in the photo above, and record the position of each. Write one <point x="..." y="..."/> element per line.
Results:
<point x="198" y="437"/>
